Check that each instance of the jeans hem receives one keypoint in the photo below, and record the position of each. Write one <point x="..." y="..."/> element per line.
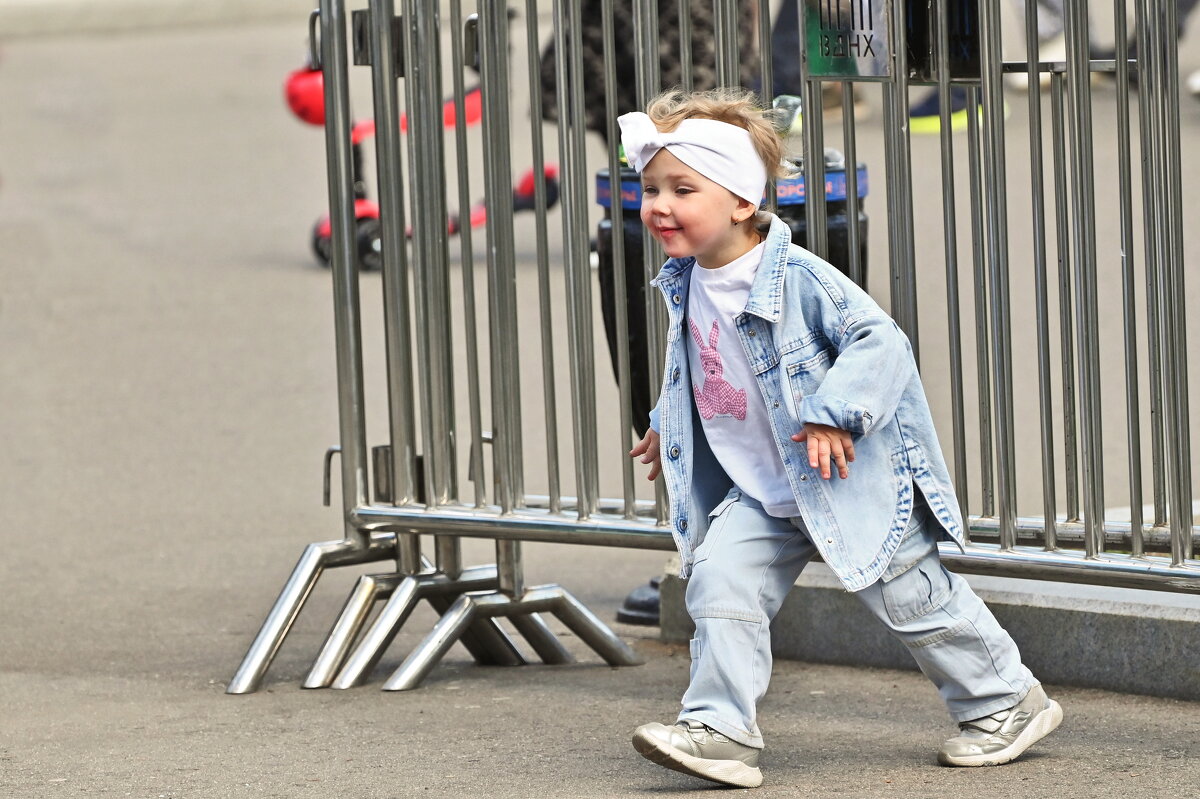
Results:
<point x="995" y="706"/>
<point x="730" y="731"/>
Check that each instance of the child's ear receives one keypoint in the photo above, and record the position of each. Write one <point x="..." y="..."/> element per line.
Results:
<point x="745" y="210"/>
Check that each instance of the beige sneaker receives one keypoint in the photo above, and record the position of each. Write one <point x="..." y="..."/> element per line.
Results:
<point x="1004" y="736"/>
<point x="693" y="748"/>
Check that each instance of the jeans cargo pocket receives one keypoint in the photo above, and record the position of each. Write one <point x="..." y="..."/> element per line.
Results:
<point x="717" y="518"/>
<point x="915" y="582"/>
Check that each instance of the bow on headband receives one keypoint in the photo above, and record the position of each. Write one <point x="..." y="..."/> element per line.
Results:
<point x="721" y="152"/>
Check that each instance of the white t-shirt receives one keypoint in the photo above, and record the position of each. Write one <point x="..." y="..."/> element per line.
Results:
<point x="732" y="410"/>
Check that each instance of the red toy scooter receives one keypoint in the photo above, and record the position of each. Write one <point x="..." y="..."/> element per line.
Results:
<point x="305" y="93"/>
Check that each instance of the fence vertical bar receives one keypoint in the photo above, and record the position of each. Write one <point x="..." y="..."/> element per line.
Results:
<point x="1062" y="196"/>
<point x="1041" y="278"/>
<point x="1154" y="328"/>
<point x="903" y="249"/>
<point x="982" y="306"/>
<point x="426" y="153"/>
<point x="686" y="58"/>
<point x="1128" y="281"/>
<point x="816" y="216"/>
<point x="397" y="340"/>
<point x="950" y="232"/>
<point x="422" y="85"/>
<point x="545" y="303"/>
<point x="812" y="150"/>
<point x="505" y="366"/>
<point x="1181" y="496"/>
<point x="571" y="129"/>
<point x="493" y="62"/>
<point x="766" y="54"/>
<point x="1161" y="86"/>
<point x="725" y="32"/>
<point x="996" y="232"/>
<point x="621" y="289"/>
<point x="1082" y="184"/>
<point x="346" y="304"/>
<point x="467" y="256"/>
<point x="853" y="204"/>
<point x="649" y="80"/>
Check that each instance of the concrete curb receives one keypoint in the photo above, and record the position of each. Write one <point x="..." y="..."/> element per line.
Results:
<point x="25" y="18"/>
<point x="1134" y="642"/>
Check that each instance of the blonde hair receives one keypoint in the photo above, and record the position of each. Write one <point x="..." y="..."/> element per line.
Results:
<point x="738" y="107"/>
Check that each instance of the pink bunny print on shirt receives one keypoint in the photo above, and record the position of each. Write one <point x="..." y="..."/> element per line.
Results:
<point x="718" y="396"/>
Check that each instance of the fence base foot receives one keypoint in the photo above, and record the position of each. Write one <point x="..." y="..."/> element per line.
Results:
<point x="469" y="608"/>
<point x="316" y="558"/>
<point x="487" y="642"/>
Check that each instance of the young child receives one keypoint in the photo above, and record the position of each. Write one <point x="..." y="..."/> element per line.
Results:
<point x="780" y="373"/>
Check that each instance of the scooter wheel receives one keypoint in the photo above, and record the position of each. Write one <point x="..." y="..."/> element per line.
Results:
<point x="322" y="245"/>
<point x="367" y="232"/>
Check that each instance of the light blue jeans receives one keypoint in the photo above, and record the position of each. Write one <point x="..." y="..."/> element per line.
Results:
<point x="747" y="563"/>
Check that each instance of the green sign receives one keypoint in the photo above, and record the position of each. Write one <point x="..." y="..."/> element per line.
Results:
<point x="849" y="38"/>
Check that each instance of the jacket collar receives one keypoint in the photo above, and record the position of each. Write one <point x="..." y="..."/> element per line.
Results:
<point x="766" y="293"/>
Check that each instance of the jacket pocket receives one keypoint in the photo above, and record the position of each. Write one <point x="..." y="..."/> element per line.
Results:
<point x="802" y="377"/>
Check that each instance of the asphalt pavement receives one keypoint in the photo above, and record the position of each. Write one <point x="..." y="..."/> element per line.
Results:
<point x="166" y="396"/>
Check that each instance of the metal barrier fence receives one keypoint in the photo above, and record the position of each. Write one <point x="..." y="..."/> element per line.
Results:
<point x="1049" y="298"/>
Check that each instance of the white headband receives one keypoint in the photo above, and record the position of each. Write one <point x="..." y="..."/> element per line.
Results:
<point x="721" y="152"/>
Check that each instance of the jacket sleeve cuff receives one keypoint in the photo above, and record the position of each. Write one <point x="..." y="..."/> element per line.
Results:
<point x="654" y="419"/>
<point x="815" y="409"/>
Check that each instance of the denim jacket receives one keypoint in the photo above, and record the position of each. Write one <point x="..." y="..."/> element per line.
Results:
<point x="822" y="351"/>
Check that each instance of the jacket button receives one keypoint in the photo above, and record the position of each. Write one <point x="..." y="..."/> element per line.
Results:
<point x="752" y="334"/>
<point x="675" y="298"/>
<point x="828" y="540"/>
<point x="674" y="452"/>
<point x="776" y="404"/>
<point x="804" y="478"/>
<point x="675" y="374"/>
<point x="683" y="525"/>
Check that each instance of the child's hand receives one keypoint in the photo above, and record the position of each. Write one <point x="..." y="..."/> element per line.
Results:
<point x="648" y="449"/>
<point x="827" y="443"/>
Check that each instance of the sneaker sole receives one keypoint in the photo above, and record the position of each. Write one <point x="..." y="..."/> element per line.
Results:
<point x="726" y="772"/>
<point x="1042" y="725"/>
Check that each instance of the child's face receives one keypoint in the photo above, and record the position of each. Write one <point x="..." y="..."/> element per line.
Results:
<point x="690" y="214"/>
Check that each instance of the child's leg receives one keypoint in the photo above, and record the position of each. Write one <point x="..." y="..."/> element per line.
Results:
<point x="953" y="636"/>
<point x="744" y="568"/>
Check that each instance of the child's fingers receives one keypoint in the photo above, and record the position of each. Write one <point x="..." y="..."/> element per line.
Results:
<point x="844" y="453"/>
<point x="818" y="455"/>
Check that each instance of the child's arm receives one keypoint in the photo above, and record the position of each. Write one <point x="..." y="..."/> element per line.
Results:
<point x="872" y="369"/>
<point x="648" y="449"/>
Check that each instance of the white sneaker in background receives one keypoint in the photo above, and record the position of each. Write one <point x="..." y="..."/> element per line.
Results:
<point x="1193" y="84"/>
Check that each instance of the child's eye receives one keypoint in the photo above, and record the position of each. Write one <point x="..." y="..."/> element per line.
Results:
<point x="683" y="190"/>
<point x="649" y="190"/>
